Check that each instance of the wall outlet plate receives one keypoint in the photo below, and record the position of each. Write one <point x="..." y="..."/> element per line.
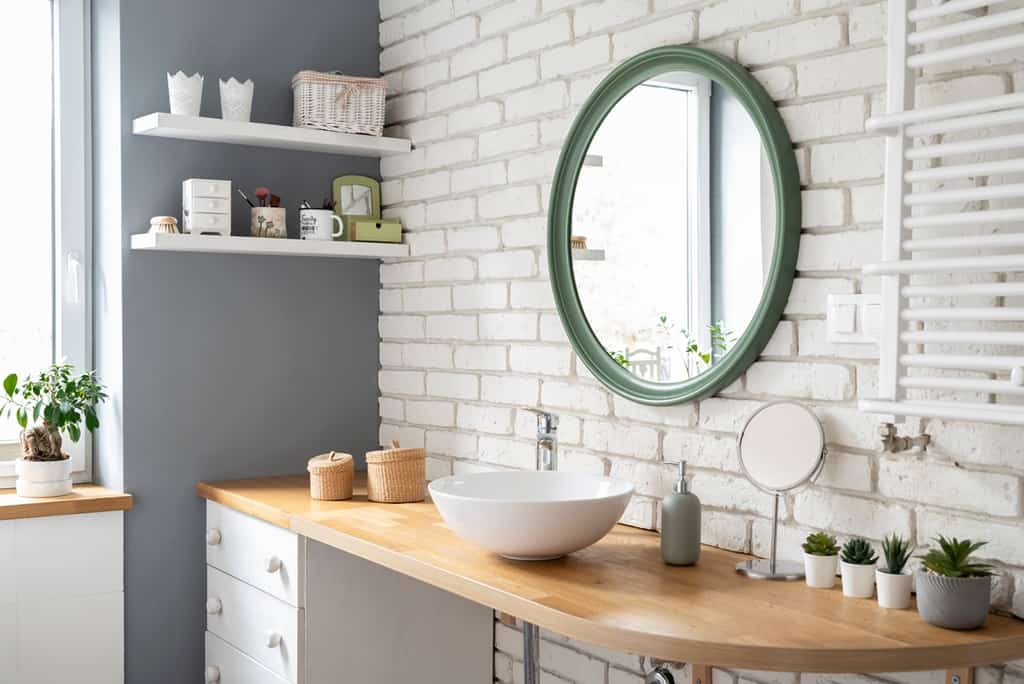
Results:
<point x="853" y="319"/>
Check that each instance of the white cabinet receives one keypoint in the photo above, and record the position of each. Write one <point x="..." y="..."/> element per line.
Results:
<point x="322" y="616"/>
<point x="225" y="664"/>
<point x="266" y="628"/>
<point x="62" y="599"/>
<point x="256" y="552"/>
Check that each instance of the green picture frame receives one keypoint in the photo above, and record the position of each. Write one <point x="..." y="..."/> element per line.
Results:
<point x="786" y="180"/>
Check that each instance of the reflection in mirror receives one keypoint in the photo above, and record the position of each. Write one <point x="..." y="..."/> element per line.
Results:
<point x="673" y="227"/>
<point x="356" y="200"/>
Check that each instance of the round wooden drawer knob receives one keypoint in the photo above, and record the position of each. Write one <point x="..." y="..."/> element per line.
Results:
<point x="213" y="536"/>
<point x="272" y="564"/>
<point x="212" y="674"/>
<point x="214" y="606"/>
<point x="273" y="640"/>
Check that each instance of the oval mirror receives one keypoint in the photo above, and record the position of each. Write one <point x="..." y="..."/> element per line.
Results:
<point x="674" y="225"/>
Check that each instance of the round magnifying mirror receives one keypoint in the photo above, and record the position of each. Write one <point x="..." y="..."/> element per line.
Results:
<point x="781" y="447"/>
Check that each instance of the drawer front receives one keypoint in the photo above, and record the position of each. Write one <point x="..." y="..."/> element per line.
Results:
<point x="203" y="187"/>
<point x="225" y="664"/>
<point x="196" y="222"/>
<point x="210" y="205"/>
<point x="264" y="555"/>
<point x="264" y="628"/>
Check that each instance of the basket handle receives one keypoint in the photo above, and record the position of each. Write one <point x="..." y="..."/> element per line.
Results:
<point x="394" y="444"/>
<point x="335" y="456"/>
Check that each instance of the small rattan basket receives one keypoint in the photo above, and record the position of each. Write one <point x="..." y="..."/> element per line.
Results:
<point x="330" y="476"/>
<point x="334" y="102"/>
<point x="396" y="475"/>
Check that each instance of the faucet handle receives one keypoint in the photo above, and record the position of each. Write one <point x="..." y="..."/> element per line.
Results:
<point x="546" y="422"/>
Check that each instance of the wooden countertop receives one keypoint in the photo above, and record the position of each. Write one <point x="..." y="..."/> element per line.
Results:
<point x="84" y="498"/>
<point x="619" y="594"/>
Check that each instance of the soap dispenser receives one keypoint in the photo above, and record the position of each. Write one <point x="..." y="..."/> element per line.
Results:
<point x="680" y="523"/>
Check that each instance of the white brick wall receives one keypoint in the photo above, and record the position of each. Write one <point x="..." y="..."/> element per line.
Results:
<point x="487" y="89"/>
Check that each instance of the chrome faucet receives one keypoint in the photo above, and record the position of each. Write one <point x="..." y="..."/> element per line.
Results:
<point x="547" y="440"/>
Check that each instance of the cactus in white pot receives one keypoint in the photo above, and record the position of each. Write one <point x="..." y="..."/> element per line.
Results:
<point x="858" y="568"/>
<point x="893" y="580"/>
<point x="57" y="402"/>
<point x="821" y="555"/>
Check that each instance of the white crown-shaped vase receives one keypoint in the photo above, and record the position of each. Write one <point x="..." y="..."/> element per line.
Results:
<point x="186" y="93"/>
<point x="236" y="99"/>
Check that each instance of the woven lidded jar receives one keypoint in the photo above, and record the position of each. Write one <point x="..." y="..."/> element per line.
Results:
<point x="396" y="475"/>
<point x="330" y="476"/>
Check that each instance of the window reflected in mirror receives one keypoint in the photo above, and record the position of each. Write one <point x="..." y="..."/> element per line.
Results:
<point x="673" y="227"/>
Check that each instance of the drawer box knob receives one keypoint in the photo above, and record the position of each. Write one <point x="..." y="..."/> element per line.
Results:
<point x="213" y="536"/>
<point x="214" y="606"/>
<point x="273" y="640"/>
<point x="272" y="564"/>
<point x="212" y="674"/>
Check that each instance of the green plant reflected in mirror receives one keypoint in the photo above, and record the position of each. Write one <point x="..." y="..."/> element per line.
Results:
<point x="674" y="225"/>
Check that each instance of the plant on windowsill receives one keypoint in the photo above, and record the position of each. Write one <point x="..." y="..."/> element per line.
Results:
<point x="893" y="580"/>
<point x="57" y="402"/>
<point x="858" y="568"/>
<point x="953" y="591"/>
<point x="821" y="555"/>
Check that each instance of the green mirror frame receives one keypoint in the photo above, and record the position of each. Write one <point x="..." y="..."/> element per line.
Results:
<point x="786" y="179"/>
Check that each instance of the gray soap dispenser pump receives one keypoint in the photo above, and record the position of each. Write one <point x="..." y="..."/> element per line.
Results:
<point x="680" y="523"/>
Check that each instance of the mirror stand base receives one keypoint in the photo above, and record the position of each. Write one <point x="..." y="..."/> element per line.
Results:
<point x="763" y="569"/>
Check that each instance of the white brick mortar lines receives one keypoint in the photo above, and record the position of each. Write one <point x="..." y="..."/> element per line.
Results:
<point x="486" y="89"/>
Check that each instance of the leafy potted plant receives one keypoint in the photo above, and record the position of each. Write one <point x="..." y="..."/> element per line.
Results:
<point x="893" y="580"/>
<point x="858" y="568"/>
<point x="952" y="590"/>
<point x="57" y="402"/>
<point x="821" y="555"/>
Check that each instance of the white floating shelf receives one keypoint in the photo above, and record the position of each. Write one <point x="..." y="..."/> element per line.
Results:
<point x="236" y="244"/>
<point x="207" y="129"/>
<point x="588" y="254"/>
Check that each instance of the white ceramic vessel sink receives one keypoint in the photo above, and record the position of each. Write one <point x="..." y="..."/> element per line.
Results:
<point x="531" y="515"/>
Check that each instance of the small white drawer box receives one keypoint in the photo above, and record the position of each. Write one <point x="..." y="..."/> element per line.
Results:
<point x="204" y="187"/>
<point x="210" y="205"/>
<point x="201" y="222"/>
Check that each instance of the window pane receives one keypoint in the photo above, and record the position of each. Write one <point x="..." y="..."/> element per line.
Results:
<point x="26" y="231"/>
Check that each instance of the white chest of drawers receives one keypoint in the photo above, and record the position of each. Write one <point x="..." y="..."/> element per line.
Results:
<point x="255" y="577"/>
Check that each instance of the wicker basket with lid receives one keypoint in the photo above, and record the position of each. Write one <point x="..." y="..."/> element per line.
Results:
<point x="330" y="476"/>
<point x="396" y="475"/>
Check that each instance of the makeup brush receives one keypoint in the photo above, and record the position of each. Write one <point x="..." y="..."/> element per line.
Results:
<point x="261" y="195"/>
<point x="245" y="197"/>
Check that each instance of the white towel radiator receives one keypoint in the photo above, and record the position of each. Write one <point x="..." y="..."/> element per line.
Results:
<point x="952" y="274"/>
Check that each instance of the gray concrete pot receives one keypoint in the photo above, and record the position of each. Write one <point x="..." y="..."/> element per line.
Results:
<point x="953" y="602"/>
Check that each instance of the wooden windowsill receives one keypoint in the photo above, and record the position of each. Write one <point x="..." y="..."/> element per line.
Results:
<point x="85" y="498"/>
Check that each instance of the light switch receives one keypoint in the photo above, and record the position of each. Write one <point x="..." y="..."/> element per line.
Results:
<point x="853" y="319"/>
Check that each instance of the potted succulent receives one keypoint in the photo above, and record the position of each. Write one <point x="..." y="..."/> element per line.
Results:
<point x="57" y="402"/>
<point x="821" y="555"/>
<point x="893" y="580"/>
<point x="858" y="568"/>
<point x="952" y="590"/>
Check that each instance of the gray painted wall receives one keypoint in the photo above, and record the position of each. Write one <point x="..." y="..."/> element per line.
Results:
<point x="233" y="366"/>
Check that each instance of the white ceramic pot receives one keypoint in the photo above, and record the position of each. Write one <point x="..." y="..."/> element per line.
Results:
<point x="38" y="479"/>
<point x="820" y="571"/>
<point x="185" y="93"/>
<point x="235" y="99"/>
<point x="858" y="580"/>
<point x="894" y="590"/>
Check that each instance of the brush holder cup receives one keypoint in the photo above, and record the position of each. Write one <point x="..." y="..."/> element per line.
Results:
<point x="268" y="222"/>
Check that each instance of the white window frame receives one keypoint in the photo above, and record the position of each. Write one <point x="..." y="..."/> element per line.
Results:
<point x="72" y="212"/>
<point x="698" y="201"/>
